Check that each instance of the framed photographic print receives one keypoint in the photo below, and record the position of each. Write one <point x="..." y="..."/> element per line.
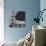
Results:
<point x="18" y="19"/>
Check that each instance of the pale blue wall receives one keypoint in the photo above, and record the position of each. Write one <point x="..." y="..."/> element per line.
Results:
<point x="43" y="6"/>
<point x="30" y="6"/>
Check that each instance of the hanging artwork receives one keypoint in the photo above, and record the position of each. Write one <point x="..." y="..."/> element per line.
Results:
<point x="18" y="19"/>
